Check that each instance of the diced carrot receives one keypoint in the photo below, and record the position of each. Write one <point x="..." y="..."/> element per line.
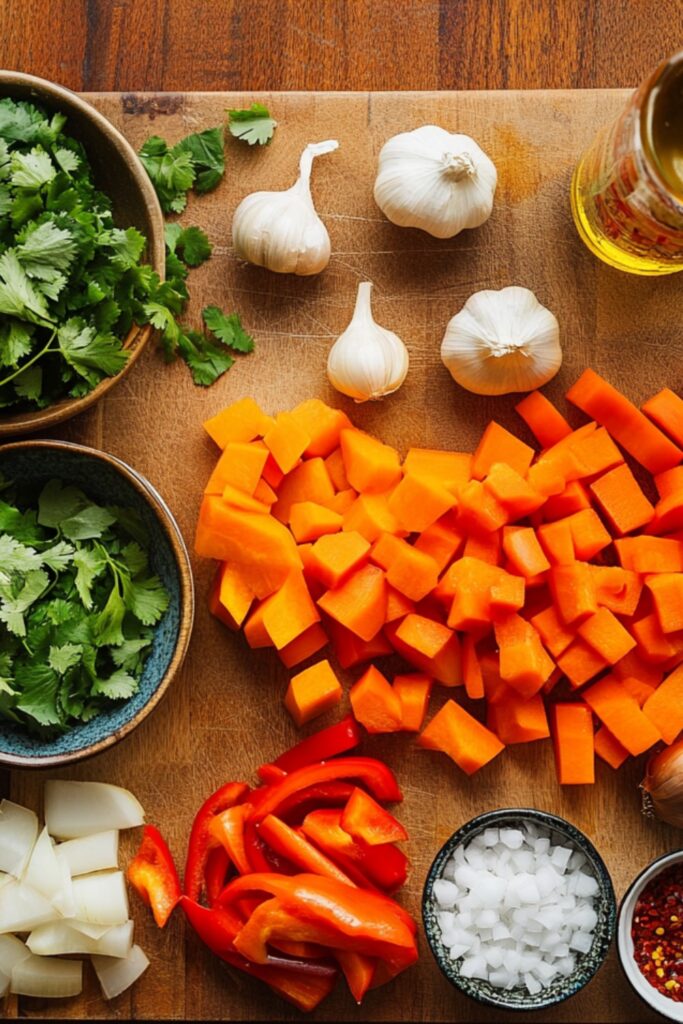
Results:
<point x="350" y="650"/>
<point x="413" y="691"/>
<point x="590" y="454"/>
<point x="370" y="516"/>
<point x="342" y="501"/>
<point x="272" y="473"/>
<point x="580" y="662"/>
<point x="650" y="554"/>
<point x="547" y="477"/>
<point x="632" y="665"/>
<point x="288" y="613"/>
<point x="589" y="536"/>
<point x="312" y="692"/>
<point x="241" y="500"/>
<point x="609" y="748"/>
<point x="512" y="491"/>
<point x="410" y="571"/>
<point x="452" y="469"/>
<point x="419" y="501"/>
<point x="370" y="465"/>
<point x="286" y="441"/>
<point x="639" y="690"/>
<point x="666" y="410"/>
<point x="670" y="482"/>
<point x="466" y="585"/>
<point x="545" y="422"/>
<point x="240" y="464"/>
<point x="264" y="493"/>
<point x="618" y="710"/>
<point x="573" y="743"/>
<point x="667" y="596"/>
<point x="241" y="421"/>
<point x="309" y="521"/>
<point x="627" y="424"/>
<point x="664" y="708"/>
<point x="309" y="481"/>
<point x="471" y="669"/>
<point x="446" y="666"/>
<point x="498" y="445"/>
<point x="359" y="603"/>
<point x="557" y="541"/>
<point x="479" y="510"/>
<point x="606" y="635"/>
<point x="522" y="547"/>
<point x="304" y="646"/>
<point x="233" y="595"/>
<point x="616" y="588"/>
<point x="441" y="541"/>
<point x="466" y="741"/>
<point x="336" y="556"/>
<point x="524" y="663"/>
<point x="573" y="592"/>
<point x="654" y="645"/>
<point x="621" y="499"/>
<point x="485" y="547"/>
<point x="334" y="464"/>
<point x="573" y="499"/>
<point x="516" y="719"/>
<point x="255" y="632"/>
<point x="554" y="633"/>
<point x="507" y="594"/>
<point x="375" y="704"/>
<point x="398" y="605"/>
<point x="322" y="424"/>
<point x="429" y="645"/>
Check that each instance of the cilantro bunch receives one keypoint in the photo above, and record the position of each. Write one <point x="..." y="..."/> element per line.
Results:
<point x="77" y="607"/>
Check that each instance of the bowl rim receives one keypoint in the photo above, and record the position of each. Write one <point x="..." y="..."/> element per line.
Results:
<point x="39" y="419"/>
<point x="170" y="527"/>
<point x="668" y="1008"/>
<point x="546" y="818"/>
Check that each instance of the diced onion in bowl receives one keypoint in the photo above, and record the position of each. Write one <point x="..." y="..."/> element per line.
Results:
<point x="91" y="853"/>
<point x="22" y="908"/>
<point x="47" y="977"/>
<point x="101" y="898"/>
<point x="75" y="809"/>
<point x="115" y="976"/>
<point x="18" y="833"/>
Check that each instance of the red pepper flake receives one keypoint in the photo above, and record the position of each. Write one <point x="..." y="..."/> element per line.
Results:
<point x="657" y="932"/>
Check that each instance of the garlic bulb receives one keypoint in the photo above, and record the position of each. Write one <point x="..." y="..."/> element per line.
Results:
<point x="663" y="785"/>
<point x="436" y="181"/>
<point x="281" y="230"/>
<point x="501" y="342"/>
<point x="367" y="361"/>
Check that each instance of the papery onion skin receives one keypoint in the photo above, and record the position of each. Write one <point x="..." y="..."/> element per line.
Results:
<point x="663" y="785"/>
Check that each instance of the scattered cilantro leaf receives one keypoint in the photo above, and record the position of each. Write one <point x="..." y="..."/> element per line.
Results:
<point x="207" y="150"/>
<point x="228" y="329"/>
<point x="253" y="125"/>
<point x="190" y="244"/>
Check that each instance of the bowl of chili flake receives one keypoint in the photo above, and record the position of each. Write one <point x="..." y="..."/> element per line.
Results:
<point x="650" y="935"/>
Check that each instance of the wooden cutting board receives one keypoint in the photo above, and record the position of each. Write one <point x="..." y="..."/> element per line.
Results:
<point x="223" y="714"/>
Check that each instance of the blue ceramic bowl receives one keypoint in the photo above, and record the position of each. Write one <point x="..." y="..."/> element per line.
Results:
<point x="587" y="963"/>
<point x="110" y="481"/>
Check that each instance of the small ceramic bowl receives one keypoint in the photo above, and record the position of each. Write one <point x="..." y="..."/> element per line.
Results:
<point x="564" y="833"/>
<point x="108" y="480"/>
<point x="119" y="173"/>
<point x="662" y="1004"/>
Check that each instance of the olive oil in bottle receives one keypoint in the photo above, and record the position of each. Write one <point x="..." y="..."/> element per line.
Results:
<point x="627" y="191"/>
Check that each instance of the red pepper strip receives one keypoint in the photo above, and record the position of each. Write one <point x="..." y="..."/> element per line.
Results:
<point x="262" y="857"/>
<point x="216" y="873"/>
<point x="326" y="794"/>
<point x="227" y="828"/>
<point x="270" y="773"/>
<point x="325" y="743"/>
<point x="374" y="774"/>
<point x="386" y="866"/>
<point x="364" y="819"/>
<point x="283" y="839"/>
<point x="301" y="983"/>
<point x="358" y="970"/>
<point x="302" y="950"/>
<point x="153" y="874"/>
<point x="346" y="863"/>
<point x="200" y="838"/>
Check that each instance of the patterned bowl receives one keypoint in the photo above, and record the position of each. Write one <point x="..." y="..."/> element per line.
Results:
<point x="587" y="964"/>
<point x="662" y="1004"/>
<point x="108" y="480"/>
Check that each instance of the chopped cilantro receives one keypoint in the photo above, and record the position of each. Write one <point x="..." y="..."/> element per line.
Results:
<point x="254" y="125"/>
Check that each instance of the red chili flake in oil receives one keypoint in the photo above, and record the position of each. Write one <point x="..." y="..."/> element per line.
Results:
<point x="657" y="932"/>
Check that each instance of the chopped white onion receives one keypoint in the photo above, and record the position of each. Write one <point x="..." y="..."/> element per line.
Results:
<point x="4" y="984"/>
<point x="75" y="809"/>
<point x="18" y="832"/>
<point x="47" y="977"/>
<point x="101" y="898"/>
<point x="5" y="878"/>
<point x="64" y="901"/>
<point x="12" y="950"/>
<point x="115" y="976"/>
<point x="58" y="937"/>
<point x="22" y="908"/>
<point x="43" y="872"/>
<point x="91" y="853"/>
<point x="93" y="931"/>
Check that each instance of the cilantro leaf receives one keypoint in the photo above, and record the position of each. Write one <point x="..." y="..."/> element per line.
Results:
<point x="254" y="125"/>
<point x="65" y="657"/>
<point x="16" y="340"/>
<point x="18" y="297"/>
<point x="128" y="654"/>
<point x="89" y="564"/>
<point x="92" y="355"/>
<point x="206" y="360"/>
<point x="172" y="173"/>
<point x="16" y="557"/>
<point x="208" y="156"/>
<point x="127" y="246"/>
<point x="38" y="699"/>
<point x="107" y="624"/>
<point x="191" y="244"/>
<point x="90" y="522"/>
<point x="57" y="502"/>
<point x="58" y="556"/>
<point x="17" y="598"/>
<point x="119" y="686"/>
<point x="33" y="169"/>
<point x="146" y="599"/>
<point x="46" y="250"/>
<point x="228" y="329"/>
<point x="29" y="383"/>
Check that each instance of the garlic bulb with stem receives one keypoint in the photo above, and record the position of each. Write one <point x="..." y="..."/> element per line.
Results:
<point x="430" y="179"/>
<point x="662" y="786"/>
<point x="282" y="230"/>
<point x="367" y="361"/>
<point x="502" y="341"/>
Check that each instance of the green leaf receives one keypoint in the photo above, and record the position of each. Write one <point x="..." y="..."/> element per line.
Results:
<point x="89" y="523"/>
<point x="15" y="600"/>
<point x="119" y="686"/>
<point x="172" y="233"/>
<point x="29" y="383"/>
<point x="107" y="624"/>
<point x="193" y="246"/>
<point x="33" y="169"/>
<point x="58" y="556"/>
<point x="6" y="673"/>
<point x="16" y="557"/>
<point x="22" y="525"/>
<point x="38" y="693"/>
<point x="207" y="150"/>
<point x="254" y="125"/>
<point x="57" y="502"/>
<point x="228" y="329"/>
<point x="89" y="565"/>
<point x="128" y="654"/>
<point x="172" y="172"/>
<point x="206" y="360"/>
<point x="18" y="297"/>
<point x="67" y="159"/>
<point x="92" y="355"/>
<point x="134" y="558"/>
<point x="147" y="599"/>
<point x="46" y="250"/>
<point x="16" y="340"/>
<point x="65" y="657"/>
<point x="127" y="246"/>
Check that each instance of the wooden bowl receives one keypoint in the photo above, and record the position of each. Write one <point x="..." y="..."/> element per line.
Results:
<point x="119" y="173"/>
<point x="109" y="481"/>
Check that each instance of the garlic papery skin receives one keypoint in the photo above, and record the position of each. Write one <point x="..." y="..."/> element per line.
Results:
<point x="367" y="361"/>
<point x="501" y="342"/>
<point x="281" y="230"/>
<point x="436" y="181"/>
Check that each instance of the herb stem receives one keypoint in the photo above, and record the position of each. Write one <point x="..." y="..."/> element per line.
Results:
<point x="34" y="359"/>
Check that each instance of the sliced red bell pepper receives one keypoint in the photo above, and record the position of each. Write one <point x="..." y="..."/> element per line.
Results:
<point x="216" y="872"/>
<point x="321" y="745"/>
<point x="294" y="809"/>
<point x="227" y="828"/>
<point x="374" y="774"/>
<point x="270" y="773"/>
<point x="385" y="866"/>
<point x="298" y="850"/>
<point x="358" y="970"/>
<point x="201" y="840"/>
<point x="363" y="818"/>
<point x="262" y="857"/>
<point x="153" y="875"/>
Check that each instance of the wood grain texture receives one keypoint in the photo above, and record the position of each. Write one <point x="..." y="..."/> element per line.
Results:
<point x="224" y="713"/>
<point x="177" y="45"/>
